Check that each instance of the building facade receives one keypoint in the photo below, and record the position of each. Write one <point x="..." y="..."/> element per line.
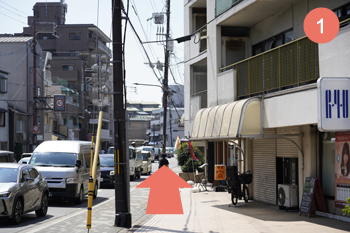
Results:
<point x="250" y="83"/>
<point x="77" y="69"/>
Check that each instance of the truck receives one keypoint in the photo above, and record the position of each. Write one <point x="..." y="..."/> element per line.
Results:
<point x="135" y="162"/>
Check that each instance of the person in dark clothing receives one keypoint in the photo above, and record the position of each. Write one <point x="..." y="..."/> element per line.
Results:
<point x="163" y="161"/>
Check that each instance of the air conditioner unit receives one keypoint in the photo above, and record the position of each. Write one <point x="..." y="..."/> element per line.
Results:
<point x="288" y="195"/>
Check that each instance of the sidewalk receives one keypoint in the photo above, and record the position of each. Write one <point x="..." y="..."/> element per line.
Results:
<point x="210" y="212"/>
<point x="204" y="212"/>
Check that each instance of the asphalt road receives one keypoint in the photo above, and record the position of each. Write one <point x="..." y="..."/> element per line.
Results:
<point x="61" y="208"/>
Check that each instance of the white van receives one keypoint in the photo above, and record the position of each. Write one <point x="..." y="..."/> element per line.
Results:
<point x="66" y="167"/>
<point x="149" y="149"/>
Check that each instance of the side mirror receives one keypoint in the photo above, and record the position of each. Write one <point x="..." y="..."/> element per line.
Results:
<point x="24" y="162"/>
<point x="78" y="163"/>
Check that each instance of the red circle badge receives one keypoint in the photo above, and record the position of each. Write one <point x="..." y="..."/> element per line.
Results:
<point x="321" y="25"/>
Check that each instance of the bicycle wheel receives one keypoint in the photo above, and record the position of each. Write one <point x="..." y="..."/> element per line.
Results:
<point x="234" y="198"/>
<point x="246" y="193"/>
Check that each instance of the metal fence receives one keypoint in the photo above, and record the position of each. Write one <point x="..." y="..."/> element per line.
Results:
<point x="223" y="5"/>
<point x="290" y="65"/>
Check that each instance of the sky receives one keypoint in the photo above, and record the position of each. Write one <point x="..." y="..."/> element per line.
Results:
<point x="13" y="15"/>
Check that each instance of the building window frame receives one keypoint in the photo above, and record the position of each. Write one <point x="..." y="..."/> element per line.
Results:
<point x="74" y="36"/>
<point x="3" y="84"/>
<point x="2" y="119"/>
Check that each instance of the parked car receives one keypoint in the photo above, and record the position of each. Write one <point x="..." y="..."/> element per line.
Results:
<point x="25" y="155"/>
<point x="22" y="189"/>
<point x="149" y="149"/>
<point x="25" y="160"/>
<point x="107" y="165"/>
<point x="147" y="163"/>
<point x="7" y="157"/>
<point x="169" y="152"/>
<point x="66" y="166"/>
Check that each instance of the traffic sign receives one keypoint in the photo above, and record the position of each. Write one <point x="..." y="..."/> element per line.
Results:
<point x="59" y="102"/>
<point x="36" y="129"/>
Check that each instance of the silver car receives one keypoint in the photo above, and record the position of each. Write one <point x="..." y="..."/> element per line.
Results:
<point x="22" y="190"/>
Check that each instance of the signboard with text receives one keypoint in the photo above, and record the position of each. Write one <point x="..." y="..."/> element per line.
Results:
<point x="342" y="168"/>
<point x="333" y="104"/>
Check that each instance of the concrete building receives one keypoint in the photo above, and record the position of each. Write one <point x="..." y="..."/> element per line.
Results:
<point x="75" y="48"/>
<point x="4" y="117"/>
<point x="250" y="82"/>
<point x="23" y="106"/>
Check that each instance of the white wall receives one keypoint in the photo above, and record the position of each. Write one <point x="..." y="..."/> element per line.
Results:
<point x="298" y="108"/>
<point x="335" y="55"/>
<point x="226" y="85"/>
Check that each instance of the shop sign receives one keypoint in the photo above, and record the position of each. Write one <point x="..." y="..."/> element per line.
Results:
<point x="342" y="168"/>
<point x="333" y="104"/>
<point x="220" y="172"/>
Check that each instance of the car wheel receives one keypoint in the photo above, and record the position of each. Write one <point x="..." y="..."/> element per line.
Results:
<point x="79" y="199"/>
<point x="44" y="206"/>
<point x="95" y="191"/>
<point x="17" y="212"/>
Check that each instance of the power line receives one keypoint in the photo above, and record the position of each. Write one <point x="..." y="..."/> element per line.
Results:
<point x="138" y="37"/>
<point x="11" y="18"/>
<point x="13" y="7"/>
<point x="14" y="12"/>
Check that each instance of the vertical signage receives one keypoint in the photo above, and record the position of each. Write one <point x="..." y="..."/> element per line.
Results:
<point x="342" y="168"/>
<point x="333" y="104"/>
<point x="59" y="103"/>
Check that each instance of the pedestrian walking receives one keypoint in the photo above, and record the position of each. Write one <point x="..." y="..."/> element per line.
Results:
<point x="163" y="161"/>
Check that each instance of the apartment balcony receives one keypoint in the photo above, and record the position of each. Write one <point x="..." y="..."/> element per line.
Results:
<point x="246" y="13"/>
<point x="287" y="66"/>
<point x="100" y="46"/>
<point x="105" y="134"/>
<point x="69" y="75"/>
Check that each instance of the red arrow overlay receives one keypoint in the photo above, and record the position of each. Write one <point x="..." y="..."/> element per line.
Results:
<point x="164" y="196"/>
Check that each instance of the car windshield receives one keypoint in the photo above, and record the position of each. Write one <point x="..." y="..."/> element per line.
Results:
<point x="8" y="175"/>
<point x="144" y="157"/>
<point x="54" y="159"/>
<point x="107" y="161"/>
<point x="110" y="150"/>
<point x="147" y="149"/>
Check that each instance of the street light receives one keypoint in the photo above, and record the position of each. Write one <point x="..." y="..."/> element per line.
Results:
<point x="164" y="107"/>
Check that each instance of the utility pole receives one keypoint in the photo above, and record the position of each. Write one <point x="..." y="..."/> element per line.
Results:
<point x="165" y="81"/>
<point x="171" y="131"/>
<point x="34" y="84"/>
<point x="122" y="183"/>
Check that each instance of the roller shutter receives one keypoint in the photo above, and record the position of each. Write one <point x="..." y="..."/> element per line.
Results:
<point x="285" y="148"/>
<point x="264" y="169"/>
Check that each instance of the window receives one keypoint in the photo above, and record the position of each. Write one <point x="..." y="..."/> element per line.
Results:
<point x="3" y="85"/>
<point x="33" y="173"/>
<point x="20" y="126"/>
<point x="74" y="36"/>
<point x="25" y="175"/>
<point x="273" y="42"/>
<point x="67" y="67"/>
<point x="2" y="119"/>
<point x="38" y="91"/>
<point x="343" y="12"/>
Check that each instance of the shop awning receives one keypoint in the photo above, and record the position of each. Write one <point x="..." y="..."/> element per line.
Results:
<point x="233" y="120"/>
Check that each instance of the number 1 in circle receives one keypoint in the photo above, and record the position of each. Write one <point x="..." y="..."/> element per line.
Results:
<point x="321" y="22"/>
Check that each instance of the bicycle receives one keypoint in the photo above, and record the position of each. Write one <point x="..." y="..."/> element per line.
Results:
<point x="235" y="183"/>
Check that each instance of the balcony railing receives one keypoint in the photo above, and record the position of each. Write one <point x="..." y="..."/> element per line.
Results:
<point x="59" y="81"/>
<point x="290" y="65"/>
<point x="223" y="5"/>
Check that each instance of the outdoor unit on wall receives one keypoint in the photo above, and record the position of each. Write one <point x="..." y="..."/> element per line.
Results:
<point x="288" y="195"/>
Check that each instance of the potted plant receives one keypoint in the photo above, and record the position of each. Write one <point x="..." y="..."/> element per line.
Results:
<point x="185" y="161"/>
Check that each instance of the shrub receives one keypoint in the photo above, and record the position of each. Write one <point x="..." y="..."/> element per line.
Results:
<point x="187" y="167"/>
<point x="184" y="153"/>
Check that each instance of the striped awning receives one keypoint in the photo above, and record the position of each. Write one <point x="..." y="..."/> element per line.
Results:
<point x="233" y="120"/>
